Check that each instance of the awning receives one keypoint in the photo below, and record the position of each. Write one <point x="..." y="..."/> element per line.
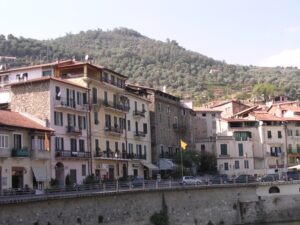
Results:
<point x="166" y="164"/>
<point x="40" y="173"/>
<point x="149" y="165"/>
<point x="297" y="167"/>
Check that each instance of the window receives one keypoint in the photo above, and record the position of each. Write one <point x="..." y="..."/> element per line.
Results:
<point x="79" y="98"/>
<point x="47" y="73"/>
<point x="96" y="120"/>
<point x="41" y="143"/>
<point x="226" y="166"/>
<point x="236" y="164"/>
<point x="276" y="151"/>
<point x="297" y="133"/>
<point x="169" y="122"/>
<point x="112" y="79"/>
<point x="269" y="134"/>
<point x="105" y="97"/>
<point x="202" y="147"/>
<point x="145" y="128"/>
<point x="73" y="144"/>
<point x="290" y="132"/>
<point x="107" y="121"/>
<point x="57" y="93"/>
<point x="213" y="114"/>
<point x="135" y="105"/>
<point x="290" y="147"/>
<point x="298" y="148"/>
<point x="223" y="149"/>
<point x="94" y="95"/>
<point x="203" y="114"/>
<point x="160" y="118"/>
<point x="279" y="134"/>
<point x="83" y="170"/>
<point x="129" y="128"/>
<point x="241" y="149"/>
<point x="143" y="108"/>
<point x="58" y="118"/>
<point x="59" y="144"/>
<point x="82" y="122"/>
<point x="168" y="110"/>
<point x="3" y="141"/>
<point x="81" y="145"/>
<point x="246" y="164"/>
<point x="97" y="146"/>
<point x="145" y="150"/>
<point x="17" y="141"/>
<point x="71" y="120"/>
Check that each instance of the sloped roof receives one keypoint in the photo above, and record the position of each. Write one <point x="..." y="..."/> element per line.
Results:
<point x="203" y="109"/>
<point x="14" y="119"/>
<point x="265" y="116"/>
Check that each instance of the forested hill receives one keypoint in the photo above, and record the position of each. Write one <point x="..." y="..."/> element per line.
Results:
<point x="153" y="63"/>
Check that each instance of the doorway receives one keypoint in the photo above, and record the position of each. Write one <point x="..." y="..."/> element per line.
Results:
<point x="60" y="174"/>
<point x="17" y="179"/>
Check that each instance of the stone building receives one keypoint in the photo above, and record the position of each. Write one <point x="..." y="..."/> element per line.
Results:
<point x="62" y="105"/>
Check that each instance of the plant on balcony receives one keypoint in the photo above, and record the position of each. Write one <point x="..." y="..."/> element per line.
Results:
<point x="91" y="179"/>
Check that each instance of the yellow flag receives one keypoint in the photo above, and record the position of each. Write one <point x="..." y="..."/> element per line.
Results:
<point x="183" y="144"/>
<point x="47" y="148"/>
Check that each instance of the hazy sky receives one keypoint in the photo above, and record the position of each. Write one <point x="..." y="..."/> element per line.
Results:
<point x="257" y="32"/>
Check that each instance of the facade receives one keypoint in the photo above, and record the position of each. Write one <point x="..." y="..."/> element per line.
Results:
<point x="24" y="152"/>
<point x="230" y="108"/>
<point x="63" y="107"/>
<point x="119" y="122"/>
<point x="205" y="129"/>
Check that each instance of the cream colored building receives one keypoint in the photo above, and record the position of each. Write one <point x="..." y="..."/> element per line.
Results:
<point x="119" y="122"/>
<point x="24" y="153"/>
<point x="62" y="105"/>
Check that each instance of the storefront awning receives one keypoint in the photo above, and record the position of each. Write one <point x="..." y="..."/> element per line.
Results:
<point x="166" y="164"/>
<point x="40" y="173"/>
<point x="149" y="165"/>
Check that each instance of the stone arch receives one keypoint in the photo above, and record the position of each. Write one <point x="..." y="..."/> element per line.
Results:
<point x="274" y="189"/>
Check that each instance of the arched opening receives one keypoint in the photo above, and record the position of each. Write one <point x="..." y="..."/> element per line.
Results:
<point x="273" y="190"/>
<point x="60" y="173"/>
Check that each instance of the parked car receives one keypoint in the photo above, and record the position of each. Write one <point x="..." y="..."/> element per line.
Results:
<point x="270" y="177"/>
<point x="293" y="175"/>
<point x="245" y="178"/>
<point x="219" y="179"/>
<point x="191" y="180"/>
<point x="137" y="182"/>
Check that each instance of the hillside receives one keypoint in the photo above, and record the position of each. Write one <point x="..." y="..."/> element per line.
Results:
<point x="153" y="63"/>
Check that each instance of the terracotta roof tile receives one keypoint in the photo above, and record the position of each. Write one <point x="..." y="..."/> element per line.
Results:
<point x="14" y="119"/>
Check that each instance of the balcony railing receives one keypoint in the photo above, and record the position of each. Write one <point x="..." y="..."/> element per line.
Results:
<point x="72" y="154"/>
<point x="113" y="130"/>
<point x="113" y="82"/>
<point x="116" y="106"/>
<point x="73" y="130"/>
<point x="70" y="104"/>
<point x="22" y="152"/>
<point x="40" y="154"/>
<point x="224" y="156"/>
<point x="293" y="151"/>
<point x="117" y="154"/>
<point x="139" y="134"/>
<point x="138" y="113"/>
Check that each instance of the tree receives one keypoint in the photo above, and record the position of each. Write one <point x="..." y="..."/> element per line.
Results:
<point x="264" y="91"/>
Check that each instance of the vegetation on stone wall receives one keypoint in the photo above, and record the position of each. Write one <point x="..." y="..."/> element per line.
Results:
<point x="162" y="217"/>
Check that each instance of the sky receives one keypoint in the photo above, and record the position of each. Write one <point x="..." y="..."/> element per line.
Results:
<point x="245" y="32"/>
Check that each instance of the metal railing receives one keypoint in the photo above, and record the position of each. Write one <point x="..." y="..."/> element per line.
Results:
<point x="18" y="194"/>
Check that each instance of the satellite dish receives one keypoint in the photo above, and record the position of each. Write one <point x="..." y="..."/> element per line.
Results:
<point x="86" y="57"/>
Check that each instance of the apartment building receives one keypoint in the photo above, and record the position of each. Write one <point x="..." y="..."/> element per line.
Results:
<point x="119" y="122"/>
<point x="24" y="152"/>
<point x="230" y="108"/>
<point x="62" y="105"/>
<point x="205" y="129"/>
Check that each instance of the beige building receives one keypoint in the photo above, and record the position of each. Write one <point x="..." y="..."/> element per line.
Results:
<point x="230" y="108"/>
<point x="62" y="105"/>
<point x="205" y="128"/>
<point x="24" y="153"/>
<point x="119" y="122"/>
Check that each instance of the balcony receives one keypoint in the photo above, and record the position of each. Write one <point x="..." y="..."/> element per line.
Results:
<point x="114" y="82"/>
<point x="22" y="152"/>
<point x="224" y="156"/>
<point x="72" y="154"/>
<point x="178" y="128"/>
<point x="5" y="153"/>
<point x="293" y="151"/>
<point x="116" y="107"/>
<point x="135" y="156"/>
<point x="139" y="114"/>
<point x="40" y="154"/>
<point x="114" y="131"/>
<point x="139" y="134"/>
<point x="72" y="130"/>
<point x="96" y="103"/>
<point x="70" y="104"/>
